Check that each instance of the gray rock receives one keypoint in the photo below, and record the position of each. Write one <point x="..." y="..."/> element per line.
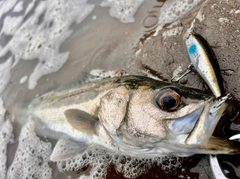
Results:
<point x="218" y="21"/>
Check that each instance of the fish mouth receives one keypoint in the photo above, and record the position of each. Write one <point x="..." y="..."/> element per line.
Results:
<point x="195" y="129"/>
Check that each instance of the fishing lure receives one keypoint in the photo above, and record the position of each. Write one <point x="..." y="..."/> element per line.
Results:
<point x="205" y="63"/>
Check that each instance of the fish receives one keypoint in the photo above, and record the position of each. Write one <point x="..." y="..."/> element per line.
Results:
<point x="205" y="62"/>
<point x="134" y="115"/>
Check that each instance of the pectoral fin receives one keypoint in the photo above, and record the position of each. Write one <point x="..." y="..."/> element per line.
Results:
<point x="81" y="121"/>
<point x="67" y="148"/>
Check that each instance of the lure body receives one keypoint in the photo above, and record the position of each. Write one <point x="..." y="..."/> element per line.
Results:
<point x="205" y="63"/>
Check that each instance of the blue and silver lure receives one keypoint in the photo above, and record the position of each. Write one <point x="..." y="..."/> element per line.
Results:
<point x="205" y="63"/>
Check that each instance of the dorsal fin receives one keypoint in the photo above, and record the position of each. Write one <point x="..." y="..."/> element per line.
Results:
<point x="81" y="121"/>
<point x="67" y="148"/>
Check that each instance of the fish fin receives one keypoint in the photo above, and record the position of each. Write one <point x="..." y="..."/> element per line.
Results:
<point x="67" y="148"/>
<point x="81" y="121"/>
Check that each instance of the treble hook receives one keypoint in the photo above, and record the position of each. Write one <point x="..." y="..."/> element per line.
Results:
<point x="176" y="79"/>
<point x="218" y="103"/>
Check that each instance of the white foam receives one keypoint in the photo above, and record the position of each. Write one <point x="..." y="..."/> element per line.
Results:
<point x="18" y="7"/>
<point x="99" y="73"/>
<point x="123" y="9"/>
<point x="5" y="73"/>
<point x="100" y="159"/>
<point x="32" y="156"/>
<point x="2" y="111"/>
<point x="40" y="35"/>
<point x="23" y="79"/>
<point x="173" y="10"/>
<point x="5" y="6"/>
<point x="6" y="137"/>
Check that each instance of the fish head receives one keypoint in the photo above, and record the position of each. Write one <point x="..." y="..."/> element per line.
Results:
<point x="163" y="118"/>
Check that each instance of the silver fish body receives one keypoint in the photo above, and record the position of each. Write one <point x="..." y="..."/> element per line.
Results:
<point x="136" y="115"/>
<point x="205" y="63"/>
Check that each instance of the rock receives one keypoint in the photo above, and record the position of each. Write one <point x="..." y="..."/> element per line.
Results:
<point x="218" y="21"/>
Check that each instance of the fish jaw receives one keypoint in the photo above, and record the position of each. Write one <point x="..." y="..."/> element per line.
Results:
<point x="184" y="125"/>
<point x="207" y="122"/>
<point x="194" y="131"/>
<point x="199" y="124"/>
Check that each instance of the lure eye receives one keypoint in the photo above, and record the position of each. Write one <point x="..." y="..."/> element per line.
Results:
<point x="169" y="100"/>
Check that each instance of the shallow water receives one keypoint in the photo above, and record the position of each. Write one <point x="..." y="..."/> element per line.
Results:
<point x="46" y="45"/>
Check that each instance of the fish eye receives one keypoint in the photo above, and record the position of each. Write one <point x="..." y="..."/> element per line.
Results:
<point x="169" y="100"/>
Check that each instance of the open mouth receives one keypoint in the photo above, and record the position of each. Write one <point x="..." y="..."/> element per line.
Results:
<point x="198" y="127"/>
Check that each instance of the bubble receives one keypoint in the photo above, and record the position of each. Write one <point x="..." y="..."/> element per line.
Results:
<point x="84" y="157"/>
<point x="90" y="153"/>
<point x="5" y="73"/>
<point x="169" y="14"/>
<point x="6" y="137"/>
<point x="32" y="156"/>
<point x="116" y="156"/>
<point x="130" y="166"/>
<point x="122" y="159"/>
<point x="23" y="79"/>
<point x="150" y="21"/>
<point x="122" y="9"/>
